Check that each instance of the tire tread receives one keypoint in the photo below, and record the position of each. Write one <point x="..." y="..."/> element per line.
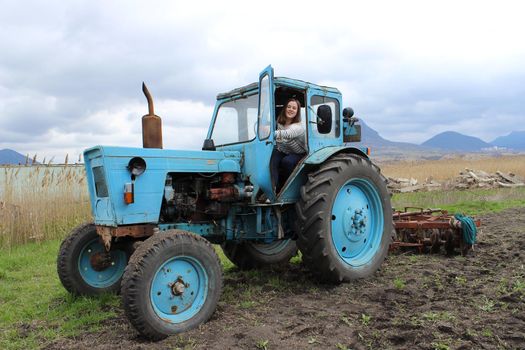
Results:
<point x="312" y="215"/>
<point x="134" y="273"/>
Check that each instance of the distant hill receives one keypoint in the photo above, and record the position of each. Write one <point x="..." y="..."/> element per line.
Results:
<point x="8" y="156"/>
<point x="371" y="138"/>
<point x="454" y="141"/>
<point x="515" y="140"/>
<point x="383" y="149"/>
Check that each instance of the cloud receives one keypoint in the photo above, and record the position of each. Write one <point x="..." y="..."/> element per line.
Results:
<point x="70" y="73"/>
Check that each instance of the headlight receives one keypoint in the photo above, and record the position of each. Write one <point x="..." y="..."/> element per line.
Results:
<point x="137" y="166"/>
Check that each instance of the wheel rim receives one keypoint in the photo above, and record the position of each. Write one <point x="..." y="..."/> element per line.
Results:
<point x="357" y="222"/>
<point x="271" y="248"/>
<point x="98" y="269"/>
<point x="179" y="289"/>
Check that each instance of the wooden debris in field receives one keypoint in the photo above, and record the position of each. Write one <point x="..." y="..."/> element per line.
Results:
<point x="396" y="184"/>
<point x="480" y="179"/>
<point x="511" y="179"/>
<point x="467" y="179"/>
<point x="401" y="185"/>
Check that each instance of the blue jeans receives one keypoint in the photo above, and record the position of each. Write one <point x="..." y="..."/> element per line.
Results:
<point x="281" y="166"/>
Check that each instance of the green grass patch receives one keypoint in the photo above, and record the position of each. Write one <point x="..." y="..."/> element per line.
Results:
<point x="438" y="316"/>
<point x="399" y="283"/>
<point x="487" y="333"/>
<point x="471" y="202"/>
<point x="519" y="286"/>
<point x="227" y="265"/>
<point x="35" y="308"/>
<point x="365" y="319"/>
<point x="486" y="304"/>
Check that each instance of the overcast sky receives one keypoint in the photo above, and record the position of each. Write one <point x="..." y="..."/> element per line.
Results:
<point x="71" y="71"/>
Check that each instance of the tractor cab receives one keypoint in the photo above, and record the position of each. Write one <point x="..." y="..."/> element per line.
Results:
<point x="245" y="120"/>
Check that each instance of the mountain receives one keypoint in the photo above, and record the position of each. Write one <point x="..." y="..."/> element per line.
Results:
<point x="371" y="138"/>
<point x="515" y="140"/>
<point x="454" y="141"/>
<point x="8" y="156"/>
<point x="383" y="149"/>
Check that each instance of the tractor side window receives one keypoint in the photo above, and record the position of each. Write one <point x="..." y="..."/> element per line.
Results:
<point x="252" y="120"/>
<point x="315" y="103"/>
<point x="264" y="109"/>
<point x="235" y="121"/>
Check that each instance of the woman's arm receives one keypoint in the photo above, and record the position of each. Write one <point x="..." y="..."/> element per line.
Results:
<point x="294" y="131"/>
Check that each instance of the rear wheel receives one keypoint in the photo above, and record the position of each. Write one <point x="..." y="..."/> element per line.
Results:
<point x="172" y="284"/>
<point x="249" y="255"/>
<point x="345" y="219"/>
<point x="85" y="268"/>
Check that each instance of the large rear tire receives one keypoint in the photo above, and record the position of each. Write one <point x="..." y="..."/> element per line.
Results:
<point x="250" y="255"/>
<point x="345" y="219"/>
<point x="84" y="267"/>
<point x="172" y="284"/>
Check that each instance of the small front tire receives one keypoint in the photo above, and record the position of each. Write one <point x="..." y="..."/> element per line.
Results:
<point x="85" y="268"/>
<point x="172" y="284"/>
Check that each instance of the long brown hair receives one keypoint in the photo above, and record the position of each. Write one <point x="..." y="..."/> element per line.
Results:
<point x="282" y="116"/>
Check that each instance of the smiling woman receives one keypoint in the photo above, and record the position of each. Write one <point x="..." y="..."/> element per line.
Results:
<point x="290" y="143"/>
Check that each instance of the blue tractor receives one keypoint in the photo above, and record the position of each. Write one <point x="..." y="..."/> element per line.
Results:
<point x="157" y="212"/>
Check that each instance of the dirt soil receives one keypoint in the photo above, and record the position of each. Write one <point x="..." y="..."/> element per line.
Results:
<point x="414" y="302"/>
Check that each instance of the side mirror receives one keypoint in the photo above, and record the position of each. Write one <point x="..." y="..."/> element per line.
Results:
<point x="348" y="112"/>
<point x="324" y="119"/>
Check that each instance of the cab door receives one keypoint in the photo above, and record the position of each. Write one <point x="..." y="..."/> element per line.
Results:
<point x="265" y="135"/>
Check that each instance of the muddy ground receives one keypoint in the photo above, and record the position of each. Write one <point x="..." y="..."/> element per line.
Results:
<point x="414" y="302"/>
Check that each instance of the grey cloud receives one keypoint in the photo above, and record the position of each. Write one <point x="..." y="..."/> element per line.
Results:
<point x="92" y="57"/>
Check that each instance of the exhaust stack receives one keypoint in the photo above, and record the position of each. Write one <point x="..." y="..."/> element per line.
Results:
<point x="151" y="124"/>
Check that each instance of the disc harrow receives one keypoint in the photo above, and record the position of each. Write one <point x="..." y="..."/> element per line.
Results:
<point x="428" y="230"/>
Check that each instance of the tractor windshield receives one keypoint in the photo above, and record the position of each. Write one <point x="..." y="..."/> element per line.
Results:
<point x="236" y="121"/>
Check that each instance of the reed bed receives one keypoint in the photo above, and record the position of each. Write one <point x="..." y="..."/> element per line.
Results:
<point x="445" y="169"/>
<point x="41" y="202"/>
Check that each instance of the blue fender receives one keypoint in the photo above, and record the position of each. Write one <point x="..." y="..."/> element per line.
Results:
<point x="291" y="192"/>
<point x="323" y="154"/>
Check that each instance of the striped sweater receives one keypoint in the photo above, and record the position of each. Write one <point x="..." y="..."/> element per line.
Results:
<point x="291" y="138"/>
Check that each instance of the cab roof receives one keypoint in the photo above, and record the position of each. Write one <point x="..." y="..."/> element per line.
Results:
<point x="299" y="84"/>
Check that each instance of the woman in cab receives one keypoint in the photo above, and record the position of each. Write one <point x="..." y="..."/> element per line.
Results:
<point x="290" y="143"/>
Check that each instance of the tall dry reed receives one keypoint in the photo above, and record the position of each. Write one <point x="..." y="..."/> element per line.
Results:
<point x="41" y="202"/>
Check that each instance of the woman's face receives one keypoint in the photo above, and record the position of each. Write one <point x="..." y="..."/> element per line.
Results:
<point x="291" y="110"/>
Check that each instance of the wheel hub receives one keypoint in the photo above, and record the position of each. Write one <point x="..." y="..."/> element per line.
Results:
<point x="101" y="260"/>
<point x="354" y="223"/>
<point x="100" y="268"/>
<point x="178" y="287"/>
<point x="357" y="222"/>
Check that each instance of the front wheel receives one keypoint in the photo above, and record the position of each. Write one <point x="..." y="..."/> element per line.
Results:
<point x="345" y="219"/>
<point x="172" y="284"/>
<point x="85" y="268"/>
